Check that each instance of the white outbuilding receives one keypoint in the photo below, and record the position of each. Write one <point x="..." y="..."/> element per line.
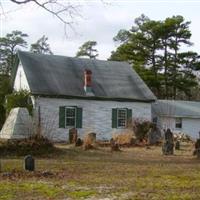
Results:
<point x="179" y="116"/>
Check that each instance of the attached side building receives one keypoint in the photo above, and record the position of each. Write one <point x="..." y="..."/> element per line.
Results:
<point x="90" y="95"/>
<point x="179" y="116"/>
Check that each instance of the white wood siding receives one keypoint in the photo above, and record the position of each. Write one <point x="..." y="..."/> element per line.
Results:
<point x="21" y="82"/>
<point x="97" y="116"/>
<point x="190" y="126"/>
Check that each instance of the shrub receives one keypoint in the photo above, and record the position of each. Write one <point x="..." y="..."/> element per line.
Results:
<point x="141" y="128"/>
<point x="124" y="139"/>
<point x="79" y="142"/>
<point x="2" y="116"/>
<point x="18" y="99"/>
<point x="34" y="145"/>
<point x="5" y="88"/>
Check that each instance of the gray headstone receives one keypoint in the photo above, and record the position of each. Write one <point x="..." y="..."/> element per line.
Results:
<point x="153" y="136"/>
<point x="198" y="153"/>
<point x="29" y="163"/>
<point x="79" y="142"/>
<point x="92" y="137"/>
<point x="73" y="135"/>
<point x="169" y="136"/>
<point x="197" y="148"/>
<point x="114" y="146"/>
<point x="168" y="145"/>
<point x="177" y="145"/>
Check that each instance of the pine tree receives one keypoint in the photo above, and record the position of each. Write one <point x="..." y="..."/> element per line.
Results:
<point x="41" y="46"/>
<point x="88" y="50"/>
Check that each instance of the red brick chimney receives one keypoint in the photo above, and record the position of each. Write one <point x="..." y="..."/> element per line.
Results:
<point x="88" y="80"/>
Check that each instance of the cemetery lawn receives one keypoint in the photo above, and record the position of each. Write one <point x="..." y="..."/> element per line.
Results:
<point x="134" y="173"/>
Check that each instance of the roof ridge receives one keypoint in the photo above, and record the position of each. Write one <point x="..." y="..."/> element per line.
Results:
<point x="71" y="57"/>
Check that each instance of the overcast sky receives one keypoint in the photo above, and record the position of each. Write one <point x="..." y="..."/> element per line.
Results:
<point x="100" y="21"/>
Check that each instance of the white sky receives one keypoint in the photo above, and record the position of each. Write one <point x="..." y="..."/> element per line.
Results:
<point x="100" y="22"/>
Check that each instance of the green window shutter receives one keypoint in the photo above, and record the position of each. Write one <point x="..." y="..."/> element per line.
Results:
<point x="114" y="118"/>
<point x="79" y="116"/>
<point x="62" y="117"/>
<point x="129" y="116"/>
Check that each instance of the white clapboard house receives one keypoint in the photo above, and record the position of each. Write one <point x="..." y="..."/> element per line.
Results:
<point x="90" y="95"/>
<point x="179" y="116"/>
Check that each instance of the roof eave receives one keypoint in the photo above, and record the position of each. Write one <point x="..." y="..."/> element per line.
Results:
<point x="93" y="98"/>
<point x="180" y="116"/>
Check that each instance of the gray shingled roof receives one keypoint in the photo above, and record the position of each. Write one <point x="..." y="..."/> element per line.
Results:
<point x="60" y="75"/>
<point x="190" y="109"/>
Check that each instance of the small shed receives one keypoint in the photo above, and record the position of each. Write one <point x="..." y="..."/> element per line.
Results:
<point x="17" y="124"/>
<point x="179" y="116"/>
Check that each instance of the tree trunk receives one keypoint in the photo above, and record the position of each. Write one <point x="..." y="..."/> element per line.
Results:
<point x="155" y="71"/>
<point x="165" y="70"/>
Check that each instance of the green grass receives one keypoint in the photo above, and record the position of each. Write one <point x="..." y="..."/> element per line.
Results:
<point x="133" y="173"/>
<point x="81" y="194"/>
<point x="10" y="189"/>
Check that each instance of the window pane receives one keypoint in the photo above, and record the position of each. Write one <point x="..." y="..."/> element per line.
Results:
<point x="178" y="120"/>
<point x="178" y="123"/>
<point x="122" y="114"/>
<point x="70" y="112"/>
<point x="121" y="118"/>
<point x="121" y="122"/>
<point x="70" y="121"/>
<point x="70" y="116"/>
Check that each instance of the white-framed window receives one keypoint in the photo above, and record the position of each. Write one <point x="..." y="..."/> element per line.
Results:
<point x="178" y="123"/>
<point x="70" y="116"/>
<point x="121" y="117"/>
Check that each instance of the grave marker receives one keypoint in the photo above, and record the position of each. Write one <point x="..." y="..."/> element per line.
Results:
<point x="29" y="163"/>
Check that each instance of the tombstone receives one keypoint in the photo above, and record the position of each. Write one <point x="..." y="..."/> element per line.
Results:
<point x="113" y="145"/>
<point x="177" y="145"/>
<point x="169" y="136"/>
<point x="92" y="137"/>
<point x="29" y="163"/>
<point x="73" y="135"/>
<point x="89" y="141"/>
<point x="198" y="153"/>
<point x="168" y="145"/>
<point x="154" y="135"/>
<point x="197" y="144"/>
<point x="79" y="142"/>
<point x="197" y="148"/>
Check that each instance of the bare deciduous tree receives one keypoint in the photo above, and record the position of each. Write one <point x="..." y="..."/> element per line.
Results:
<point x="66" y="11"/>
